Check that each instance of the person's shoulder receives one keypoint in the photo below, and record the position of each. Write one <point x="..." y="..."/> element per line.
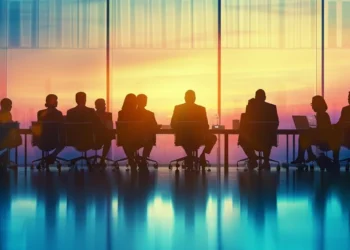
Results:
<point x="149" y="113"/>
<point x="270" y="105"/>
<point x="40" y="112"/>
<point x="180" y="106"/>
<point x="346" y="109"/>
<point x="199" y="107"/>
<point x="71" y="110"/>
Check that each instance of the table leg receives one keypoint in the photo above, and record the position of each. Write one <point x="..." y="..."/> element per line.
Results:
<point x="25" y="151"/>
<point x="287" y="148"/>
<point x="226" y="153"/>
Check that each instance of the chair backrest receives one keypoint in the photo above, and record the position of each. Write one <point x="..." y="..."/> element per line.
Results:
<point x="346" y="135"/>
<point x="47" y="135"/>
<point x="9" y="135"/>
<point x="259" y="134"/>
<point x="190" y="134"/>
<point x="80" y="135"/>
<point x="128" y="132"/>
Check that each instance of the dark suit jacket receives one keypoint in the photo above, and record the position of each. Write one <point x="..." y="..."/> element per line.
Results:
<point x="148" y="126"/>
<point x="256" y="134"/>
<point x="191" y="133"/>
<point x="51" y="115"/>
<point x="148" y="118"/>
<point x="189" y="112"/>
<point x="344" y="117"/>
<point x="261" y="112"/>
<point x="82" y="114"/>
<point x="105" y="117"/>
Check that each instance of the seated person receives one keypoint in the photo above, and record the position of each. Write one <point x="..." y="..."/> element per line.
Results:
<point x="81" y="113"/>
<point x="258" y="110"/>
<point x="5" y="111"/>
<point x="149" y="128"/>
<point x="344" y="120"/>
<point x="128" y="133"/>
<point x="321" y="135"/>
<point x="106" y="119"/>
<point x="6" y="117"/>
<point x="51" y="114"/>
<point x="191" y="112"/>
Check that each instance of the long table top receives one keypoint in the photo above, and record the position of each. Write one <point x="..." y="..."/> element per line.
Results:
<point x="214" y="131"/>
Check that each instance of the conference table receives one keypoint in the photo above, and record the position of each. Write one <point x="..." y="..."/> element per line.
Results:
<point x="221" y="132"/>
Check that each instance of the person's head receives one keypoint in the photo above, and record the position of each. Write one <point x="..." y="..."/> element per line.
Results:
<point x="260" y="95"/>
<point x="80" y="98"/>
<point x="6" y="104"/>
<point x="141" y="101"/>
<point x="130" y="102"/>
<point x="190" y="96"/>
<point x="100" y="105"/>
<point x="51" y="101"/>
<point x="318" y="104"/>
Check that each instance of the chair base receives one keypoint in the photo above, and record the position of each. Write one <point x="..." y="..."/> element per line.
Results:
<point x="42" y="163"/>
<point x="8" y="163"/>
<point x="195" y="163"/>
<point x="84" y="158"/>
<point x="138" y="159"/>
<point x="260" y="159"/>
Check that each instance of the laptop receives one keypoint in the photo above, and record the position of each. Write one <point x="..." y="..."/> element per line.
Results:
<point x="301" y="122"/>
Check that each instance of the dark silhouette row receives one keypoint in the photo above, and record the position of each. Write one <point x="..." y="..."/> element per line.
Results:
<point x="137" y="128"/>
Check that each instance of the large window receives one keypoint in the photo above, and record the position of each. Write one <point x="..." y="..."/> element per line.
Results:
<point x="162" y="50"/>
<point x="164" y="47"/>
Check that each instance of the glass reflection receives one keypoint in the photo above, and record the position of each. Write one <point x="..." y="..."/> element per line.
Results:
<point x="243" y="211"/>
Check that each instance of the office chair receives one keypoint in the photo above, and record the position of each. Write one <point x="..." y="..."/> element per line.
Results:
<point x="128" y="132"/>
<point x="81" y="136"/>
<point x="98" y="143"/>
<point x="346" y="143"/>
<point x="323" y="161"/>
<point x="190" y="135"/>
<point x="260" y="134"/>
<point x="47" y="136"/>
<point x="9" y="139"/>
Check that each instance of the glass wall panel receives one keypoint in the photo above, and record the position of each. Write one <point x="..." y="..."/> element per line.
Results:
<point x="270" y="45"/>
<point x="54" y="46"/>
<point x="3" y="73"/>
<point x="337" y="55"/>
<point x="162" y="49"/>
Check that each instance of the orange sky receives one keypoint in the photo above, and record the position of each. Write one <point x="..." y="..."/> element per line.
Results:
<point x="288" y="76"/>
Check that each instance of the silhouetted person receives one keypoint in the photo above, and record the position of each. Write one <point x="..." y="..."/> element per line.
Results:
<point x="6" y="117"/>
<point x="257" y="110"/>
<point x="5" y="111"/>
<point x="105" y="117"/>
<point x="148" y="131"/>
<point x="191" y="112"/>
<point x="345" y="115"/>
<point x="81" y="113"/>
<point x="105" y="136"/>
<point x="128" y="130"/>
<point x="321" y="135"/>
<point x="51" y="114"/>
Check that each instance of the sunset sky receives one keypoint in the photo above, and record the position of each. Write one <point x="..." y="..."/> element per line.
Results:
<point x="164" y="48"/>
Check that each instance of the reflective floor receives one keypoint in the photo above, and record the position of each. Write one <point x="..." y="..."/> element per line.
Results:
<point x="110" y="210"/>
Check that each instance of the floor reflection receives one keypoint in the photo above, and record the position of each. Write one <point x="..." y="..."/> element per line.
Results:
<point x="167" y="211"/>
